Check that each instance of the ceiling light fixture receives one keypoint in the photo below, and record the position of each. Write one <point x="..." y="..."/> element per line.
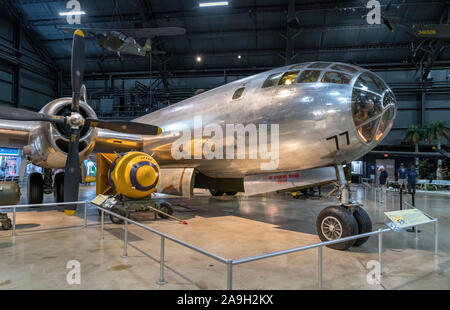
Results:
<point x="216" y="3"/>
<point x="199" y="59"/>
<point x="71" y="13"/>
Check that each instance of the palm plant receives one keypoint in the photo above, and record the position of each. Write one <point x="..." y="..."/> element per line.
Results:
<point x="415" y="134"/>
<point x="436" y="132"/>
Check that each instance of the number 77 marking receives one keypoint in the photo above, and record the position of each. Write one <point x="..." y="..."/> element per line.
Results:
<point x="336" y="140"/>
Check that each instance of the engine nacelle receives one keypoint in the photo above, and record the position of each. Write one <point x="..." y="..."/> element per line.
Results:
<point x="48" y="143"/>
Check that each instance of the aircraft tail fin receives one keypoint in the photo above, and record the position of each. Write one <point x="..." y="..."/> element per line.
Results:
<point x="148" y="45"/>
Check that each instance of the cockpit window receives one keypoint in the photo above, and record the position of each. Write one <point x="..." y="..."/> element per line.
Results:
<point x="386" y="123"/>
<point x="299" y="66"/>
<point x="319" y="65"/>
<point x="309" y="76"/>
<point x="388" y="99"/>
<point x="238" y="93"/>
<point x="369" y="81"/>
<point x="289" y="78"/>
<point x="365" y="106"/>
<point x="344" y="68"/>
<point x="336" y="78"/>
<point x="272" y="80"/>
<point x="366" y="131"/>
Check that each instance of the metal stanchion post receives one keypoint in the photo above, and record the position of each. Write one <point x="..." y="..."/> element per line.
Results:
<point x="14" y="222"/>
<point x="320" y="264"/>
<point x="103" y="224"/>
<point x="85" y="214"/>
<point x="161" y="280"/>
<point x="230" y="275"/>
<point x="401" y="199"/>
<point x="125" y="240"/>
<point x="380" y="251"/>
<point x="436" y="238"/>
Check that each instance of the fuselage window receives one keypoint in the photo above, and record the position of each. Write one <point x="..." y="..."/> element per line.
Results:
<point x="238" y="93"/>
<point x="336" y="78"/>
<point x="272" y="80"/>
<point x="365" y="106"/>
<point x="309" y="76"/>
<point x="319" y="65"/>
<point x="289" y="78"/>
<point x="369" y="81"/>
<point x="344" y="68"/>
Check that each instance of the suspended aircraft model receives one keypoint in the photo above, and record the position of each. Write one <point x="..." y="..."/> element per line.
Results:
<point x="433" y="39"/>
<point x="320" y="115"/>
<point x="126" y="41"/>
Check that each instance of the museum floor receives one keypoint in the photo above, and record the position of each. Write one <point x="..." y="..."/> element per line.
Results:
<point x="232" y="227"/>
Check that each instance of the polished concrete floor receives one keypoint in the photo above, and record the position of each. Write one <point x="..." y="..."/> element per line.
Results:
<point x="232" y="227"/>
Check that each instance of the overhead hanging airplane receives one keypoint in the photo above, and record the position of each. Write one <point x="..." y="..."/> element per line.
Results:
<point x="328" y="114"/>
<point x="125" y="41"/>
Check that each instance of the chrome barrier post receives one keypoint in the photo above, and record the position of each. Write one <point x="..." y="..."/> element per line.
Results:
<point x="125" y="240"/>
<point x="103" y="224"/>
<point x="85" y="214"/>
<point x="229" y="275"/>
<point x="436" y="238"/>
<point x="320" y="266"/>
<point x="161" y="280"/>
<point x="14" y="222"/>
<point x="380" y="251"/>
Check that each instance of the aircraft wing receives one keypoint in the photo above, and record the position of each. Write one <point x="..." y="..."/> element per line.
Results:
<point x="135" y="33"/>
<point x="15" y="134"/>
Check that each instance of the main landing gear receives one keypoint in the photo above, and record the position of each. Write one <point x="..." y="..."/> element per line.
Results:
<point x="336" y="222"/>
<point x="40" y="185"/>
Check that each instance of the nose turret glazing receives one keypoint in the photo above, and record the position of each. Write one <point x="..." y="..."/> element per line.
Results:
<point x="373" y="108"/>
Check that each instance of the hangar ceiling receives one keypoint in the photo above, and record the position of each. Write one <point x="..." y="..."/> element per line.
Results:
<point x="255" y="30"/>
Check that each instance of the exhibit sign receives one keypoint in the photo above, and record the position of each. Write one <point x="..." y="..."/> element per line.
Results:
<point x="406" y="218"/>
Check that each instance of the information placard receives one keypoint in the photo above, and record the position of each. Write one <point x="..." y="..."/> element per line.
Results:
<point x="406" y="218"/>
<point x="99" y="200"/>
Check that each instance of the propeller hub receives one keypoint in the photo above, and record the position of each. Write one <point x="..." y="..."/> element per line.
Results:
<point x="75" y="120"/>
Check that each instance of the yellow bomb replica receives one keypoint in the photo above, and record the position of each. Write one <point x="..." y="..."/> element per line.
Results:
<point x="134" y="175"/>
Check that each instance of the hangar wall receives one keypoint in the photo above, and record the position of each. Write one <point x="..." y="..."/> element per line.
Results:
<point x="25" y="79"/>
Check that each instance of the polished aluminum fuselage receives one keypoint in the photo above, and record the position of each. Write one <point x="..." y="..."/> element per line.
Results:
<point x="307" y="114"/>
<point x="311" y="117"/>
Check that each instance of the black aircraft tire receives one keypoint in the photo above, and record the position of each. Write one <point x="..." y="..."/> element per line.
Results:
<point x="114" y="219"/>
<point x="7" y="225"/>
<point x="58" y="186"/>
<point x="336" y="222"/>
<point x="216" y="193"/>
<point x="166" y="208"/>
<point x="35" y="188"/>
<point x="364" y="224"/>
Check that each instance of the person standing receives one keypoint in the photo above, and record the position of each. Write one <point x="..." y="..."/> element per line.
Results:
<point x="439" y="173"/>
<point x="383" y="177"/>
<point x="412" y="180"/>
<point x="401" y="174"/>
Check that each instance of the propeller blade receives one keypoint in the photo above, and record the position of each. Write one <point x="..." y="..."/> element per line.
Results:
<point x="72" y="172"/>
<point x="387" y="23"/>
<point x="77" y="68"/>
<point x="125" y="127"/>
<point x="14" y="114"/>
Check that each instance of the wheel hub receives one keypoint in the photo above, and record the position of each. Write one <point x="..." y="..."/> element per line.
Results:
<point x="331" y="228"/>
